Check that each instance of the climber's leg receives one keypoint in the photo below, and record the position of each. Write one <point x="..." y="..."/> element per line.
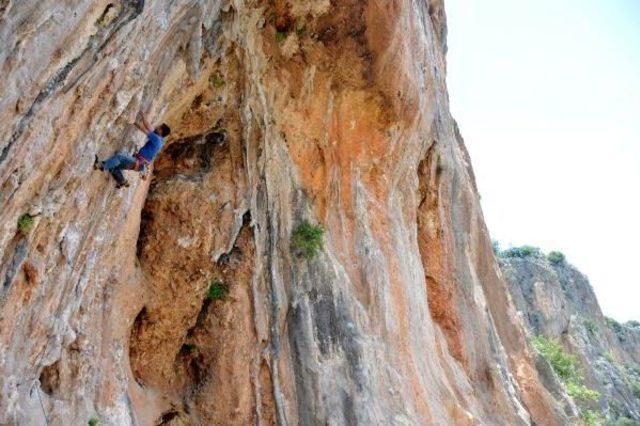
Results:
<point x="119" y="161"/>
<point x="116" y="163"/>
<point x="119" y="177"/>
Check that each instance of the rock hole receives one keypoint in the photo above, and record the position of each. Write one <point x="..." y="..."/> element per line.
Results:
<point x="50" y="379"/>
<point x="197" y="101"/>
<point x="167" y="417"/>
<point x="190" y="361"/>
<point x="139" y="324"/>
<point x="173" y="418"/>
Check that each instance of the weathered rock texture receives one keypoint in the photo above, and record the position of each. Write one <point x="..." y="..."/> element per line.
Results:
<point x="557" y="301"/>
<point x="331" y="111"/>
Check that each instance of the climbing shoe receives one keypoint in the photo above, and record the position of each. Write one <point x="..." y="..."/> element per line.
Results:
<point x="97" y="164"/>
<point x="123" y="184"/>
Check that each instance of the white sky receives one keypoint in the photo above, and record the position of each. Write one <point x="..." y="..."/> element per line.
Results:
<point x="547" y="96"/>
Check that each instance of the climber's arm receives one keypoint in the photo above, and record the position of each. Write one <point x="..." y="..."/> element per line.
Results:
<point x="139" y="127"/>
<point x="142" y="124"/>
<point x="145" y="123"/>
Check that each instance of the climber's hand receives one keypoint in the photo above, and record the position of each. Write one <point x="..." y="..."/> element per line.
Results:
<point x="144" y="176"/>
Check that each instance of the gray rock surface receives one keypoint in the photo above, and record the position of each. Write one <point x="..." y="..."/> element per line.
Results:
<point x="557" y="302"/>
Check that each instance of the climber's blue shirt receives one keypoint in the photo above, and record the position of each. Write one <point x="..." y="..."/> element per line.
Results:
<point x="152" y="147"/>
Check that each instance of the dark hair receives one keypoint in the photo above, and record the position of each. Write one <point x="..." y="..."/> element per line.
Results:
<point x="164" y="129"/>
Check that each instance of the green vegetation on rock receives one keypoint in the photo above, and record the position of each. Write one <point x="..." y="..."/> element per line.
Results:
<point x="25" y="223"/>
<point x="592" y="418"/>
<point x="495" y="245"/>
<point x="591" y="327"/>
<point x="217" y="290"/>
<point x="93" y="422"/>
<point x="581" y="393"/>
<point x="216" y="80"/>
<point x="281" y="36"/>
<point x="521" y="252"/>
<point x="609" y="357"/>
<point x="613" y="324"/>
<point x="635" y="388"/>
<point x="307" y="239"/>
<point x="633" y="324"/>
<point x="567" y="367"/>
<point x="556" y="258"/>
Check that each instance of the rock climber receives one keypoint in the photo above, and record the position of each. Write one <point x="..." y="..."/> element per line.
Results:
<point x="141" y="160"/>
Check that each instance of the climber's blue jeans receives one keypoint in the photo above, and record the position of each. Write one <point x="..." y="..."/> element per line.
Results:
<point x="117" y="163"/>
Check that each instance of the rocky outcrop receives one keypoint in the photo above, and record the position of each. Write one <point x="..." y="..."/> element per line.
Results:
<point x="557" y="302"/>
<point x="334" y="112"/>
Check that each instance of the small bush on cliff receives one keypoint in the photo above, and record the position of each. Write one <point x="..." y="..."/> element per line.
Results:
<point x="581" y="393"/>
<point x="565" y="365"/>
<point x="495" y="245"/>
<point x="216" y="80"/>
<point x="25" y="223"/>
<point x="592" y="418"/>
<point x="217" y="290"/>
<point x="93" y="422"/>
<point x="609" y="357"/>
<point x="521" y="252"/>
<point x="557" y="258"/>
<point x="635" y="388"/>
<point x="281" y="36"/>
<point x="633" y="324"/>
<point x="307" y="239"/>
<point x="613" y="324"/>
<point x="591" y="327"/>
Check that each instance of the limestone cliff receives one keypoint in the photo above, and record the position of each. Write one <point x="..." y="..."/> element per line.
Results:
<point x="557" y="302"/>
<point x="335" y="112"/>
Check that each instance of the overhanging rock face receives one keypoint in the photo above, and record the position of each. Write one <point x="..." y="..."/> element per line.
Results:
<point x="335" y="112"/>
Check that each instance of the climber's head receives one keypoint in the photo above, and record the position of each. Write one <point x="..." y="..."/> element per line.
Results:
<point x="163" y="130"/>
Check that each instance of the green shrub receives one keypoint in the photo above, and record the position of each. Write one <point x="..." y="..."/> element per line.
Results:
<point x="565" y="365"/>
<point x="522" y="252"/>
<point x="216" y="80"/>
<point x="609" y="357"/>
<point x="591" y="327"/>
<point x="581" y="393"/>
<point x="25" y="223"/>
<point x="557" y="258"/>
<point x="615" y="325"/>
<point x="281" y="36"/>
<point x="93" y="422"/>
<point x="217" y="290"/>
<point x="495" y="245"/>
<point x="615" y="408"/>
<point x="635" y="388"/>
<point x="307" y="239"/>
<point x="592" y="417"/>
<point x="634" y="368"/>
<point x="633" y="324"/>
